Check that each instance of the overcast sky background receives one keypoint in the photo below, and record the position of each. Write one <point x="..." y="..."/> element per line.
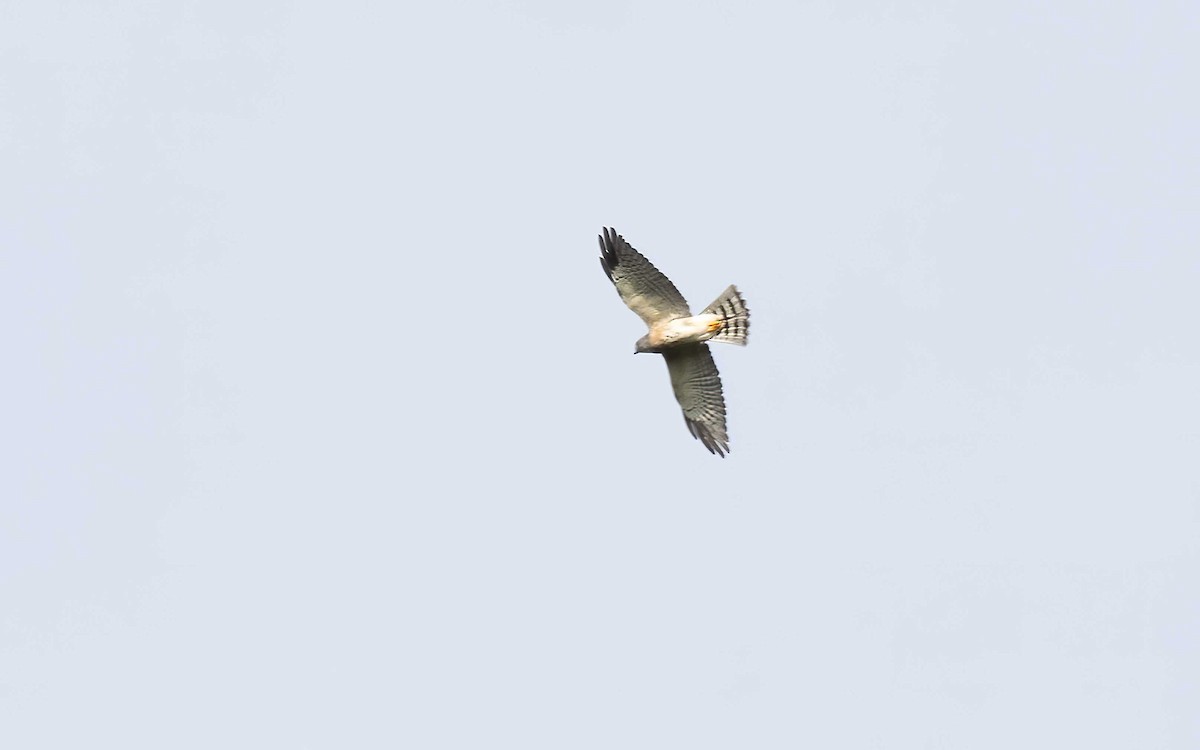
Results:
<point x="321" y="426"/>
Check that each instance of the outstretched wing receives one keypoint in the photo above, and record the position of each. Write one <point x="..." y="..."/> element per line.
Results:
<point x="697" y="387"/>
<point x="642" y="287"/>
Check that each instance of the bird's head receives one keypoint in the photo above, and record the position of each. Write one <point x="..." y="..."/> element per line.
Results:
<point x="642" y="345"/>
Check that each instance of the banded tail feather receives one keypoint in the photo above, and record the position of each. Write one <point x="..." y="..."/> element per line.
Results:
<point x="735" y="317"/>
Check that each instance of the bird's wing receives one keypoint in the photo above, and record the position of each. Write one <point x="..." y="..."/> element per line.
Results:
<point x="697" y="387"/>
<point x="642" y="287"/>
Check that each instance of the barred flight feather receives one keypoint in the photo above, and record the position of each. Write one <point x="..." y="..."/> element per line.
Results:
<point x="735" y="317"/>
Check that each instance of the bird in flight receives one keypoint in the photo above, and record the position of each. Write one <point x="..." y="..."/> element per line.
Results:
<point x="679" y="336"/>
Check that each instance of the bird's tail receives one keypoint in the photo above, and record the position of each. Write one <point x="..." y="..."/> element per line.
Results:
<point x="735" y="317"/>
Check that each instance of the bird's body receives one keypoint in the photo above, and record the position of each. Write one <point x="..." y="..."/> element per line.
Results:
<point x="680" y="336"/>
<point x="680" y="332"/>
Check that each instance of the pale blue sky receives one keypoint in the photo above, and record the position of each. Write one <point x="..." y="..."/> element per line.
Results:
<point x="322" y="427"/>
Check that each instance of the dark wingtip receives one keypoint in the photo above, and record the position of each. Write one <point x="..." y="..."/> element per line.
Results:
<point x="608" y="251"/>
<point x="705" y="436"/>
